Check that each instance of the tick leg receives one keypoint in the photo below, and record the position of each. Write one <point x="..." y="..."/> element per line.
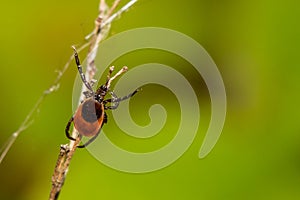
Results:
<point x="111" y="69"/>
<point x="90" y="140"/>
<point x="110" y="79"/>
<point x="127" y="96"/>
<point x="112" y="100"/>
<point x="87" y="94"/>
<point x="117" y="100"/>
<point x="115" y="106"/>
<point x="79" y="67"/>
<point x="68" y="128"/>
<point x="105" y="119"/>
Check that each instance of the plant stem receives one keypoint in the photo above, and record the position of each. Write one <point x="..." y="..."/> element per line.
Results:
<point x="67" y="151"/>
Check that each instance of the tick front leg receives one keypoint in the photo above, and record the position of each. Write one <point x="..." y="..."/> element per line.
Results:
<point x="125" y="97"/>
<point x="115" y="100"/>
<point x="79" y="67"/>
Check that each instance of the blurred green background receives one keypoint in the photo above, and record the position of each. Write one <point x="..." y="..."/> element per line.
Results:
<point x="254" y="44"/>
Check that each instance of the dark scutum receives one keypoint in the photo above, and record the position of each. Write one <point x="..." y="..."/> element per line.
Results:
<point x="91" y="110"/>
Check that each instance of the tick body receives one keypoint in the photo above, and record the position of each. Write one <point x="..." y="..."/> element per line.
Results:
<point x="90" y="116"/>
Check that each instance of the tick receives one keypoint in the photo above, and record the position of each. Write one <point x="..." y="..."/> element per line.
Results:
<point x="90" y="116"/>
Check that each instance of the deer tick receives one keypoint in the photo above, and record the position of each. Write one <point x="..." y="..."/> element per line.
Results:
<point x="90" y="115"/>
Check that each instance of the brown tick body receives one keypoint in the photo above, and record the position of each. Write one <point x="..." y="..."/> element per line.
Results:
<point x="90" y="115"/>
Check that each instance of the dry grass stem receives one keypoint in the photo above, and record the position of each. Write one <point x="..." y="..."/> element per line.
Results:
<point x="100" y="31"/>
<point x="53" y="87"/>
